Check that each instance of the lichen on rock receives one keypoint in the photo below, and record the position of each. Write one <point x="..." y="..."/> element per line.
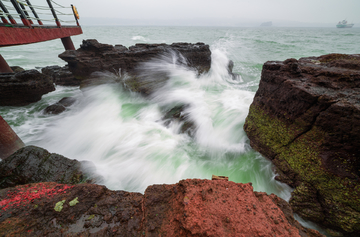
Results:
<point x="59" y="205"/>
<point x="74" y="202"/>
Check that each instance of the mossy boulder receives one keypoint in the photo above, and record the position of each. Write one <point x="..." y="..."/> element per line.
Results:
<point x="305" y="117"/>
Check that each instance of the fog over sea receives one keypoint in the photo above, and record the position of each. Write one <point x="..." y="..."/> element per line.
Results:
<point x="122" y="132"/>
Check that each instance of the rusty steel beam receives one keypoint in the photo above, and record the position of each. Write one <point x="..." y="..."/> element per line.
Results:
<point x="10" y="36"/>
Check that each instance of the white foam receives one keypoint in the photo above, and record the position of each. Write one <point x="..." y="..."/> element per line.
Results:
<point x="139" y="38"/>
<point x="123" y="134"/>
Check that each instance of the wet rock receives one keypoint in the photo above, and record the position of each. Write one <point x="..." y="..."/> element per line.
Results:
<point x="60" y="106"/>
<point x="23" y="88"/>
<point x="230" y="67"/>
<point x="93" y="56"/>
<point x="305" y="117"/>
<point x="90" y="209"/>
<point x="9" y="141"/>
<point x="17" y="69"/>
<point x="61" y="75"/>
<point x="45" y="210"/>
<point x="178" y="114"/>
<point x="32" y="164"/>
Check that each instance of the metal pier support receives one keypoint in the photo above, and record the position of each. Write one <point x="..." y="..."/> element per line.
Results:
<point x="68" y="44"/>
<point x="4" y="67"/>
<point x="9" y="141"/>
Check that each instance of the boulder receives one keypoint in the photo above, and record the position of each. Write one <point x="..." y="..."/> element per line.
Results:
<point x="230" y="66"/>
<point x="178" y="114"/>
<point x="93" y="56"/>
<point x="61" y="75"/>
<point x="59" y="106"/>
<point x="17" y="69"/>
<point x="32" y="164"/>
<point x="9" y="141"/>
<point x="24" y="87"/>
<point x="305" y="117"/>
<point x="189" y="208"/>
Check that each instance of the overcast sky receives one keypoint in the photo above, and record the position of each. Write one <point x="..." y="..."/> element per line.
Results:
<point x="317" y="11"/>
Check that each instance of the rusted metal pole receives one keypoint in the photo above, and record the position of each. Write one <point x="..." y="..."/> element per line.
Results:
<point x="3" y="18"/>
<point x="21" y="13"/>
<point x="68" y="44"/>
<point x="11" y="19"/>
<point x="34" y="12"/>
<point x="26" y="13"/>
<point x="4" y="67"/>
<point x="9" y="141"/>
<point x="54" y="13"/>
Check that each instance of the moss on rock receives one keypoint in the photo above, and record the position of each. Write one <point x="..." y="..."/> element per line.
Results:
<point x="335" y="201"/>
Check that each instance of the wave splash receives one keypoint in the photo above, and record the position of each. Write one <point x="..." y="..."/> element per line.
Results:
<point x="127" y="138"/>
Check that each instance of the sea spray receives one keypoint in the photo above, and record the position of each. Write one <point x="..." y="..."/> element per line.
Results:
<point x="124" y="134"/>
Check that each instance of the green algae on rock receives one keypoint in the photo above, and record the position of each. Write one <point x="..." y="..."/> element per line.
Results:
<point x="59" y="206"/>
<point x="305" y="117"/>
<point x="74" y="202"/>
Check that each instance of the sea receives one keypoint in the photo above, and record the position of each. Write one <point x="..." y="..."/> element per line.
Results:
<point x="123" y="134"/>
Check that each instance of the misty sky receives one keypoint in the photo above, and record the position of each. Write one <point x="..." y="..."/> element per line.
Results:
<point x="319" y="11"/>
<point x="325" y="11"/>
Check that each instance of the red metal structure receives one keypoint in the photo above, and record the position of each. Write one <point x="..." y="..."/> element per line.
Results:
<point x="18" y="35"/>
<point x="12" y="33"/>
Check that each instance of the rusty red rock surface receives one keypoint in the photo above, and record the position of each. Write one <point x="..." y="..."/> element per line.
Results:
<point x="191" y="207"/>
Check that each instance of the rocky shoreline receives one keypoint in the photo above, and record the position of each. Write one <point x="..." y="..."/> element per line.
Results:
<point x="304" y="118"/>
<point x="65" y="203"/>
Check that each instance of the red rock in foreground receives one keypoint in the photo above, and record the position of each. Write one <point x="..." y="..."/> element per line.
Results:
<point x="189" y="208"/>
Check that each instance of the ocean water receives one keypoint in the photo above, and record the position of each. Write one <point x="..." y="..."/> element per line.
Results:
<point x="123" y="134"/>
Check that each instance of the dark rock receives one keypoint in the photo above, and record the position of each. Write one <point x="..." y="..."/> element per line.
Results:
<point x="23" y="88"/>
<point x="190" y="208"/>
<point x="230" y="67"/>
<point x="17" y="69"/>
<point x="54" y="109"/>
<point x="178" y="114"/>
<point x="305" y="117"/>
<point x="93" y="56"/>
<point x="61" y="75"/>
<point x="88" y="209"/>
<point x="67" y="101"/>
<point x="9" y="141"/>
<point x="60" y="106"/>
<point x="33" y="164"/>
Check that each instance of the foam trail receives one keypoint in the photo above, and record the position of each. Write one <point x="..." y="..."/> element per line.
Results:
<point x="139" y="38"/>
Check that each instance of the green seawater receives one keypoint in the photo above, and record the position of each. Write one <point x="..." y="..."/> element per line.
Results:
<point x="123" y="133"/>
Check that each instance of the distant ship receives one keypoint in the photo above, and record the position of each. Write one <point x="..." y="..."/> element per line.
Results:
<point x="269" y="23"/>
<point x="344" y="24"/>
